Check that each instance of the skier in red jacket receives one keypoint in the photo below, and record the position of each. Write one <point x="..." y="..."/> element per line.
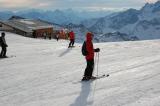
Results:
<point x="72" y="39"/>
<point x="89" y="57"/>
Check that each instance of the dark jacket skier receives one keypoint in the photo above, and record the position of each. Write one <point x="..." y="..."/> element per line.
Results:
<point x="72" y="39"/>
<point x="89" y="57"/>
<point x="57" y="36"/>
<point x="3" y="45"/>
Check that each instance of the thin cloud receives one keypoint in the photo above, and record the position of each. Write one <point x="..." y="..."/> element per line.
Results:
<point x="16" y="3"/>
<point x="74" y="4"/>
<point x="151" y="1"/>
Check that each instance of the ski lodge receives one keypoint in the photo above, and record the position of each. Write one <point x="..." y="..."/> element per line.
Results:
<point x="28" y="27"/>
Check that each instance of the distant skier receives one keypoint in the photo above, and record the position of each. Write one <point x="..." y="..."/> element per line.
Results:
<point x="3" y="45"/>
<point x="45" y="35"/>
<point x="89" y="55"/>
<point x="72" y="39"/>
<point x="34" y="34"/>
<point x="67" y="35"/>
<point x="50" y="37"/>
<point x="57" y="36"/>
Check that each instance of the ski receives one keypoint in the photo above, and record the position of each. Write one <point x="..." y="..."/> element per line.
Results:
<point x="101" y="76"/>
<point x="7" y="57"/>
<point x="71" y="47"/>
<point x="96" y="78"/>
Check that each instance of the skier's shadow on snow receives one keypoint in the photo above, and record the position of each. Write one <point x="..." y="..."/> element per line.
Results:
<point x="65" y="52"/>
<point x="82" y="99"/>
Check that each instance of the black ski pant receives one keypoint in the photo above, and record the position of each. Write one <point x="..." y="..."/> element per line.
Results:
<point x="57" y="39"/>
<point x="71" y="42"/>
<point x="89" y="69"/>
<point x="3" y="51"/>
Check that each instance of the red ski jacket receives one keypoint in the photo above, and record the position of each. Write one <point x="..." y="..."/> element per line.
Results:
<point x="89" y="47"/>
<point x="71" y="35"/>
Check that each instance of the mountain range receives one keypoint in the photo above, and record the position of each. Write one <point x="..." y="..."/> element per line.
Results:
<point x="141" y="24"/>
<point x="61" y="17"/>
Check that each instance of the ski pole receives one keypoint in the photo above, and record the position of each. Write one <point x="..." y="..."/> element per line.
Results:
<point x="97" y="63"/>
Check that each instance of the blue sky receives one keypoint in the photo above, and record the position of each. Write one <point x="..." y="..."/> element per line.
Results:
<point x="91" y="5"/>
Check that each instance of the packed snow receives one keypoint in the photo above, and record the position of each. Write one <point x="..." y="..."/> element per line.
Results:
<point x="46" y="73"/>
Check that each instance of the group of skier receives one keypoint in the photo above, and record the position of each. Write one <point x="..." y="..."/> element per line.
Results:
<point x="87" y="47"/>
<point x="69" y="35"/>
<point x="89" y="50"/>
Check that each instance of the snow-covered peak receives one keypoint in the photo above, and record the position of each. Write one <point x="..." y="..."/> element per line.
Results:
<point x="141" y="24"/>
<point x="150" y="11"/>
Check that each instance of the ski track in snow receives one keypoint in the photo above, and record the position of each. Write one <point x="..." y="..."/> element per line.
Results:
<point x="45" y="72"/>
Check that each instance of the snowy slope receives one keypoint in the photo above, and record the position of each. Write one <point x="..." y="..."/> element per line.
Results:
<point x="46" y="73"/>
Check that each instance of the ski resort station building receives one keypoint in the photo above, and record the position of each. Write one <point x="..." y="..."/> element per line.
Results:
<point x="28" y="27"/>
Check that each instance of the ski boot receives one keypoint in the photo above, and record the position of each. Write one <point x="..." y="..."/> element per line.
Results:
<point x="85" y="78"/>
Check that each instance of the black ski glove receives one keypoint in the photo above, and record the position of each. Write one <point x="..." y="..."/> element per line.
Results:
<point x="6" y="45"/>
<point x="97" y="50"/>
